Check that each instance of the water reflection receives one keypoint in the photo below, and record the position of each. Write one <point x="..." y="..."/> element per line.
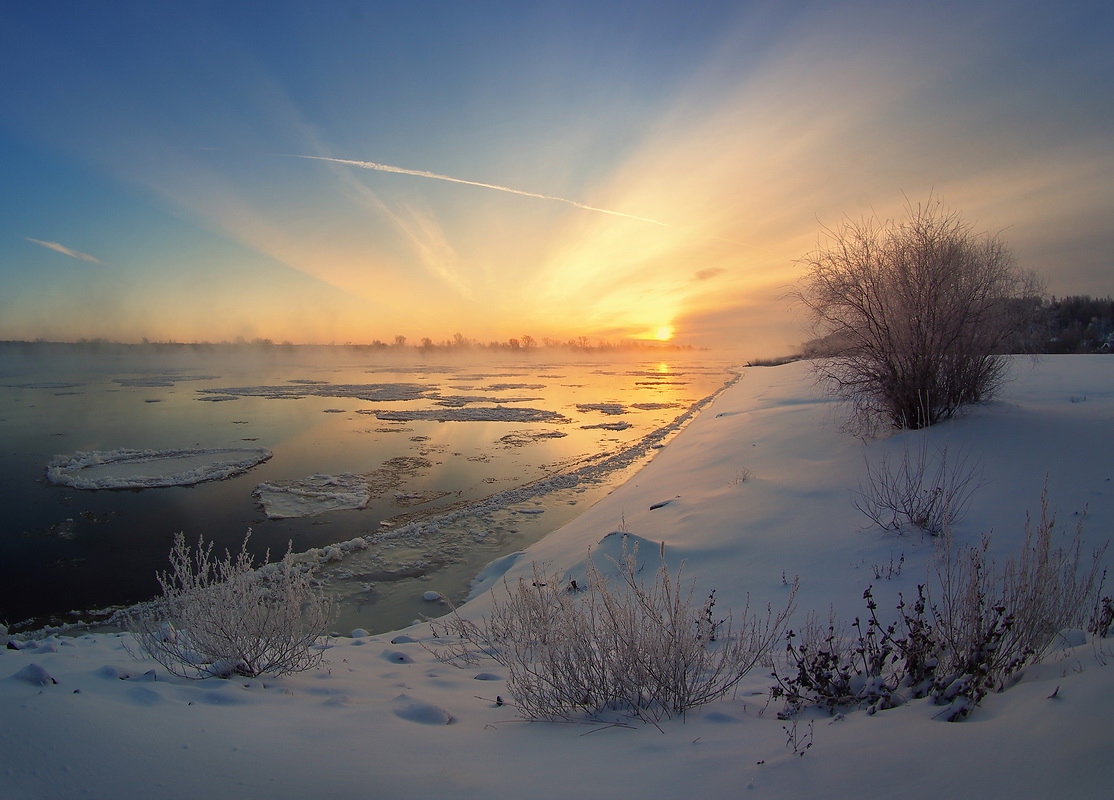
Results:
<point x="64" y="549"/>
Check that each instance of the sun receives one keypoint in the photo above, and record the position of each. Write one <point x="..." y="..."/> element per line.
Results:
<point x="664" y="333"/>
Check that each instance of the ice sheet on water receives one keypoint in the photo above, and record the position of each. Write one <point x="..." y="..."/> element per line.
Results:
<point x="319" y="493"/>
<point x="525" y="437"/>
<point x="603" y="408"/>
<point x="461" y="400"/>
<point x="45" y="385"/>
<point x="294" y="389"/>
<point x="148" y="469"/>
<point x="304" y="497"/>
<point x="160" y="381"/>
<point x="478" y="414"/>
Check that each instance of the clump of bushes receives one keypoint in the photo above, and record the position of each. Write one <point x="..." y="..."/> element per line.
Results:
<point x="647" y="649"/>
<point x="222" y="617"/>
<point x="973" y="632"/>
<point x="927" y="492"/>
<point x="912" y="316"/>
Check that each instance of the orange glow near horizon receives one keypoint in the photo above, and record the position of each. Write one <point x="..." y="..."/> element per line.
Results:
<point x="575" y="199"/>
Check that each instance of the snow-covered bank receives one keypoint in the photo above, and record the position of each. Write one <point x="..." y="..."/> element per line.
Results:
<point x="754" y="491"/>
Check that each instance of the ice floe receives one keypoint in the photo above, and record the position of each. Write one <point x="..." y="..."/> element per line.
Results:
<point x="148" y="469"/>
<point x="479" y="414"/>
<point x="160" y="381"/>
<point x="607" y="426"/>
<point x="525" y="437"/>
<point x="603" y="408"/>
<point x="304" y="497"/>
<point x="294" y="389"/>
<point x="460" y="400"/>
<point x="319" y="493"/>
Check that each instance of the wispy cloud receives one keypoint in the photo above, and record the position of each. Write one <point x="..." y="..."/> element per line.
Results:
<point x="421" y="173"/>
<point x="59" y="248"/>
<point x="708" y="274"/>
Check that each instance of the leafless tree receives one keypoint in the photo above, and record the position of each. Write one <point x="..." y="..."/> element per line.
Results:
<point x="912" y="317"/>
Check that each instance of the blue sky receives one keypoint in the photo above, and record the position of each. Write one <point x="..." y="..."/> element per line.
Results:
<point x="154" y="179"/>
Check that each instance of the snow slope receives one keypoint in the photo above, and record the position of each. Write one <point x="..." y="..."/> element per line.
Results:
<point x="755" y="491"/>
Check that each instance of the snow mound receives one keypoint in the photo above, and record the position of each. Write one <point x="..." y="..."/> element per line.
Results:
<point x="304" y="497"/>
<point x="421" y="712"/>
<point x="148" y="469"/>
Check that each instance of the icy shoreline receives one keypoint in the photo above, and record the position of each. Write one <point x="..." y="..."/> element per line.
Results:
<point x="594" y="469"/>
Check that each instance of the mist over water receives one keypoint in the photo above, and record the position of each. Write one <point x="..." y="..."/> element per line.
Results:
<point x="517" y="420"/>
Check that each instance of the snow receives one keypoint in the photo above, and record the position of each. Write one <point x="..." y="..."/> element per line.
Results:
<point x="146" y="469"/>
<point x="758" y="489"/>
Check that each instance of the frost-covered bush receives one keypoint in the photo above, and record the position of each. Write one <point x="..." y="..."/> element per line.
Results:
<point x="222" y="617"/>
<point x="647" y="649"/>
<point x="970" y="632"/>
<point x="871" y="665"/>
<point x="926" y="492"/>
<point x="911" y="316"/>
<point x="993" y="621"/>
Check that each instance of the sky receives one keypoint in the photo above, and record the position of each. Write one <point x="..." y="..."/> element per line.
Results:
<point x="351" y="171"/>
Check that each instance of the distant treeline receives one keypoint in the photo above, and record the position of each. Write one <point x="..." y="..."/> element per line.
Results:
<point x="1073" y="324"/>
<point x="399" y="344"/>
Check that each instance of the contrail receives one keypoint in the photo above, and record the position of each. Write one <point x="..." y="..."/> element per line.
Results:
<point x="58" y="248"/>
<point x="421" y="173"/>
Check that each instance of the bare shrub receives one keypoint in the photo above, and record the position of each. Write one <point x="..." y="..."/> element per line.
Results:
<point x="926" y="492"/>
<point x="871" y="665"/>
<point x="912" y="317"/>
<point x="1102" y="614"/>
<point x="971" y="633"/>
<point x="993" y="621"/>
<point x="645" y="649"/>
<point x="221" y="617"/>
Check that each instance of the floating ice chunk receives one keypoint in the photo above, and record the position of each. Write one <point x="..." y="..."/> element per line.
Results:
<point x="603" y="408"/>
<point x="525" y="437"/>
<point x="373" y="392"/>
<point x="480" y="414"/>
<point x="316" y="494"/>
<point x="607" y="426"/>
<point x="160" y="381"/>
<point x="146" y="469"/>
